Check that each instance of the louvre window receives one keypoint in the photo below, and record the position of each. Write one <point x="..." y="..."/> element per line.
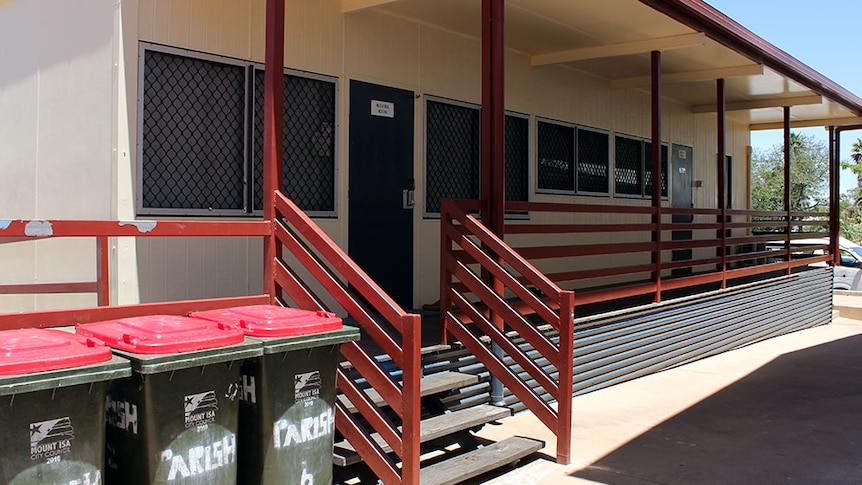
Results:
<point x="571" y="159"/>
<point x="633" y="167"/>
<point x="201" y="149"/>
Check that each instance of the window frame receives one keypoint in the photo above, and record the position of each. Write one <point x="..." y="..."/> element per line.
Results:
<point x="576" y="129"/>
<point x="426" y="214"/>
<point x="249" y="68"/>
<point x="643" y="154"/>
<point x="336" y="130"/>
<point x="511" y="215"/>
<point x="610" y="166"/>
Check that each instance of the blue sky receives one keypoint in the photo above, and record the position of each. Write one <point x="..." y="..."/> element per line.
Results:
<point x="823" y="34"/>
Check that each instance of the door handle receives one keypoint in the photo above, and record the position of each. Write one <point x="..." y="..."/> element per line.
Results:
<point x="407" y="199"/>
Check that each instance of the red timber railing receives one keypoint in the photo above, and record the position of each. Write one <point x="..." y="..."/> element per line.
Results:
<point x="395" y="332"/>
<point x="607" y="253"/>
<point x="22" y="230"/>
<point x="512" y="274"/>
<point x="615" y="257"/>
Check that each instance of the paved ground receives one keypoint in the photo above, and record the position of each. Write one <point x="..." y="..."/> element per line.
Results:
<point x="788" y="410"/>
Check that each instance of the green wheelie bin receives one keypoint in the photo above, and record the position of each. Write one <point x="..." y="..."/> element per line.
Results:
<point x="174" y="421"/>
<point x="52" y="406"/>
<point x="287" y="412"/>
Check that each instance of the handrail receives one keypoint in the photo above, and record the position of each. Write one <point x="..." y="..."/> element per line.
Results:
<point x="343" y="280"/>
<point x="23" y="230"/>
<point x="500" y="262"/>
<point x="475" y="264"/>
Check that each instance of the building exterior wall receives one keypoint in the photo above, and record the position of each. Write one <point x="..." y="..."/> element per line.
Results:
<point x="57" y="119"/>
<point x="368" y="45"/>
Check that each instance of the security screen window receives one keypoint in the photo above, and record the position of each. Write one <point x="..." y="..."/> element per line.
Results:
<point x="555" y="163"/>
<point x="201" y="148"/>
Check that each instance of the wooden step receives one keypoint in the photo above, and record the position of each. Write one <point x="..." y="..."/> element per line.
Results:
<point x="477" y="462"/>
<point x="430" y="385"/>
<point x="430" y="429"/>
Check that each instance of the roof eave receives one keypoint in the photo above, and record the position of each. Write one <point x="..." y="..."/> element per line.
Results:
<point x="721" y="28"/>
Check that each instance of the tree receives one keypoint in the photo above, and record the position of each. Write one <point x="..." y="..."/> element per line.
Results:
<point x="809" y="169"/>
<point x="851" y="204"/>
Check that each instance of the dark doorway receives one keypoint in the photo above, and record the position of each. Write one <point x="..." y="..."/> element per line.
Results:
<point x="380" y="205"/>
<point x="681" y="198"/>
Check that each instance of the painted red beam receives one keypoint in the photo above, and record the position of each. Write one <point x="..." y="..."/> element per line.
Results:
<point x="30" y="229"/>
<point x="45" y="288"/>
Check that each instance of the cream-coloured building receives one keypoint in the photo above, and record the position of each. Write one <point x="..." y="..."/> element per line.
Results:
<point x="146" y="109"/>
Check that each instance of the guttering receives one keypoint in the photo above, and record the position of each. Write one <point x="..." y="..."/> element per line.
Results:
<point x="726" y="31"/>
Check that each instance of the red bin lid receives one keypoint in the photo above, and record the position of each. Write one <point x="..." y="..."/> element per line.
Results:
<point x="162" y="334"/>
<point x="273" y="320"/>
<point x="38" y="350"/>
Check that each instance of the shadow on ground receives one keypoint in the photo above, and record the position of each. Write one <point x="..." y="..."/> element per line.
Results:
<point x="797" y="420"/>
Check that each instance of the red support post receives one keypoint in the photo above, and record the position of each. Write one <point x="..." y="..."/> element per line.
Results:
<point x="493" y="141"/>
<point x="273" y="126"/>
<point x="834" y="198"/>
<point x="722" y="175"/>
<point x="493" y="114"/>
<point x="789" y="268"/>
<point x="656" y="170"/>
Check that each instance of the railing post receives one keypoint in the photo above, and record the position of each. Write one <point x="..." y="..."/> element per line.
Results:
<point x="721" y="167"/>
<point x="445" y="275"/>
<point x="410" y="392"/>
<point x="565" y="369"/>
<point x="103" y="271"/>
<point x="656" y="170"/>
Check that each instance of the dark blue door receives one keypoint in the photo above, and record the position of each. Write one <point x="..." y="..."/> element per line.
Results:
<point x="380" y="212"/>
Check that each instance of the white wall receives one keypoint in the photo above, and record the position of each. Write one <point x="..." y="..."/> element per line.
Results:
<point x="56" y="119"/>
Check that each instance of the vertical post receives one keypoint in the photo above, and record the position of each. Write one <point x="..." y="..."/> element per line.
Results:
<point x="410" y="392"/>
<point x="656" y="171"/>
<point x="720" y="99"/>
<point x="788" y="227"/>
<point x="103" y="270"/>
<point x="834" y="196"/>
<point x="493" y="142"/>
<point x="273" y="140"/>
<point x="566" y="369"/>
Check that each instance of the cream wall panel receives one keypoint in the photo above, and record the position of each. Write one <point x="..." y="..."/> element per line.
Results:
<point x="217" y="26"/>
<point x="451" y="65"/>
<point x="195" y="268"/>
<point x="56" y="102"/>
<point x="314" y="35"/>
<point x="382" y="49"/>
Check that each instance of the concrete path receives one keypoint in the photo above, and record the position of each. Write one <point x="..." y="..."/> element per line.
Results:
<point x="787" y="410"/>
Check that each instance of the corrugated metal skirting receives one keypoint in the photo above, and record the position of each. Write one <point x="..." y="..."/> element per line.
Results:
<point x="623" y="346"/>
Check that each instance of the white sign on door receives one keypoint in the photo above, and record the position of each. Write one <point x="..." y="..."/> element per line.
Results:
<point x="382" y="108"/>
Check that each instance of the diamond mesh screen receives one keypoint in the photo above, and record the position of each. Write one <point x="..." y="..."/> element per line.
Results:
<point x="648" y="169"/>
<point x="555" y="164"/>
<point x="593" y="161"/>
<point x="308" y="169"/>
<point x="193" y="150"/>
<point x="517" y="153"/>
<point x="452" y="157"/>
<point x="628" y="171"/>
